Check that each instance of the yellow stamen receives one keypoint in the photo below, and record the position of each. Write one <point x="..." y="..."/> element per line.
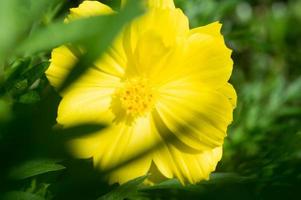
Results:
<point x="135" y="98"/>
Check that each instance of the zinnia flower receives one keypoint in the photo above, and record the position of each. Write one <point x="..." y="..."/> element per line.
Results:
<point x="158" y="79"/>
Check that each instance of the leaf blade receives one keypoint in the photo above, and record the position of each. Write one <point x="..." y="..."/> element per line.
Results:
<point x="34" y="168"/>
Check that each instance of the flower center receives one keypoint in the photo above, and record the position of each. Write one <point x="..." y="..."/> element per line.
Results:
<point x="134" y="99"/>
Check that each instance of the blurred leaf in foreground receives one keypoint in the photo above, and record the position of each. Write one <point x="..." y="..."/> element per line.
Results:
<point x="16" y="18"/>
<point x="96" y="45"/>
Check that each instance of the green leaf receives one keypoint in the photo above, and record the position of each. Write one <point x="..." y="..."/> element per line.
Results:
<point x="226" y="177"/>
<point x="36" y="72"/>
<point x="168" y="184"/>
<point x="35" y="167"/>
<point x="124" y="191"/>
<point x="19" y="86"/>
<point x="16" y="69"/>
<point x="18" y="195"/>
<point x="174" y="184"/>
<point x="215" y="179"/>
<point x="30" y="97"/>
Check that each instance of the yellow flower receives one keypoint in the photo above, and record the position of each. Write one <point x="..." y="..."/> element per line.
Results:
<point x="160" y="82"/>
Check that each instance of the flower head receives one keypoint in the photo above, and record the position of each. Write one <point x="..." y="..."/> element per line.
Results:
<point x="160" y="82"/>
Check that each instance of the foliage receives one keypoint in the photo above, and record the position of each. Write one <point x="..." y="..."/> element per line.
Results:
<point x="262" y="153"/>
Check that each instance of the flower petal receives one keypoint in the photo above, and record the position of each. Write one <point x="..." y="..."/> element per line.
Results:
<point x="64" y="57"/>
<point x="207" y="58"/>
<point x="115" y="145"/>
<point x="229" y="91"/>
<point x="204" y="58"/>
<point x="149" y="57"/>
<point x="112" y="62"/>
<point x="130" y="171"/>
<point x="212" y="29"/>
<point x="152" y="45"/>
<point x="61" y="62"/>
<point x="187" y="168"/>
<point x="89" y="8"/>
<point x="88" y="99"/>
<point x="172" y="27"/>
<point x="201" y="120"/>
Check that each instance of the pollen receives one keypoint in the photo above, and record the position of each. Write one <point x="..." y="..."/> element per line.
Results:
<point x="136" y="97"/>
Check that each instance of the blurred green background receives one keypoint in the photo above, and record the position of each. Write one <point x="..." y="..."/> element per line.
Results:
<point x="262" y="153"/>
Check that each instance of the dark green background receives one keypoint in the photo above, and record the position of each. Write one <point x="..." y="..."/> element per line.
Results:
<point x="262" y="153"/>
